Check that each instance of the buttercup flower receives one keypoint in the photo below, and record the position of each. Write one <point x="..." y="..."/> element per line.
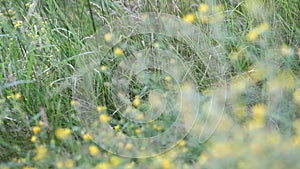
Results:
<point x="93" y="150"/>
<point x="36" y="129"/>
<point x="62" y="133"/>
<point x="203" y="7"/>
<point x="190" y="18"/>
<point x="41" y="152"/>
<point x="118" y="52"/>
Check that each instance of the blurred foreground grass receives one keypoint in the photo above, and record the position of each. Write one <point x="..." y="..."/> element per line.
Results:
<point x="41" y="40"/>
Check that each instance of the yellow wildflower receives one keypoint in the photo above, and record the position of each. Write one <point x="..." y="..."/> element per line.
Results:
<point x="258" y="111"/>
<point x="41" y="124"/>
<point x="94" y="150"/>
<point x="128" y="146"/>
<point x="136" y="102"/>
<point x="115" y="160"/>
<point x="33" y="139"/>
<point x="108" y="37"/>
<point x="59" y="164"/>
<point x="286" y="50"/>
<point x="140" y="116"/>
<point x="36" y="129"/>
<point x="239" y="111"/>
<point x="156" y="44"/>
<point x="203" y="157"/>
<point x="117" y="127"/>
<point x="103" y="67"/>
<point x="130" y="165"/>
<point x="221" y="149"/>
<point x="70" y="163"/>
<point x="100" y="109"/>
<point x="203" y="7"/>
<point x="104" y="118"/>
<point x="168" y="78"/>
<point x="296" y="95"/>
<point x="254" y="33"/>
<point x="138" y="131"/>
<point x="157" y="127"/>
<point x="182" y="143"/>
<point x="118" y="51"/>
<point x="18" y="96"/>
<point x="41" y="152"/>
<point x="87" y="137"/>
<point x="73" y="102"/>
<point x="103" y="166"/>
<point x="166" y="164"/>
<point x="62" y="133"/>
<point x="28" y="167"/>
<point x="18" y="24"/>
<point x="190" y="18"/>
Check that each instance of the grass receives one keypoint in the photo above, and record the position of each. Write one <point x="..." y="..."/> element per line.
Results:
<point x="42" y="43"/>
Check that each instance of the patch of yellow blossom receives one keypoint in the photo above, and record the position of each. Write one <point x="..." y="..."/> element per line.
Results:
<point x="41" y="152"/>
<point x="286" y="50"/>
<point x="62" y="133"/>
<point x="18" y="24"/>
<point x="28" y="167"/>
<point x="238" y="85"/>
<point x="59" y="164"/>
<point x="284" y="80"/>
<point x="104" y="118"/>
<point x="103" y="165"/>
<point x="156" y="44"/>
<point x="258" y="117"/>
<point x="33" y="139"/>
<point x="157" y="127"/>
<point x="118" y="51"/>
<point x="140" y="116"/>
<point x="182" y="143"/>
<point x="130" y="165"/>
<point x="239" y="111"/>
<point x="136" y="102"/>
<point x="166" y="164"/>
<point x="17" y="96"/>
<point x="296" y="96"/>
<point x="117" y="127"/>
<point x="254" y="33"/>
<point x="128" y="146"/>
<point x="296" y="125"/>
<point x="221" y="149"/>
<point x="259" y="111"/>
<point x="87" y="137"/>
<point x="100" y="109"/>
<point x="94" y="151"/>
<point x="36" y="129"/>
<point x="190" y="18"/>
<point x="70" y="163"/>
<point x="138" y="131"/>
<point x="168" y="78"/>
<point x="203" y="158"/>
<point x="72" y="102"/>
<point x="115" y="161"/>
<point x="108" y="37"/>
<point x="203" y="8"/>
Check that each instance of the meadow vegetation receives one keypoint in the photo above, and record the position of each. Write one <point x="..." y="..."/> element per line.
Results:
<point x="41" y="42"/>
